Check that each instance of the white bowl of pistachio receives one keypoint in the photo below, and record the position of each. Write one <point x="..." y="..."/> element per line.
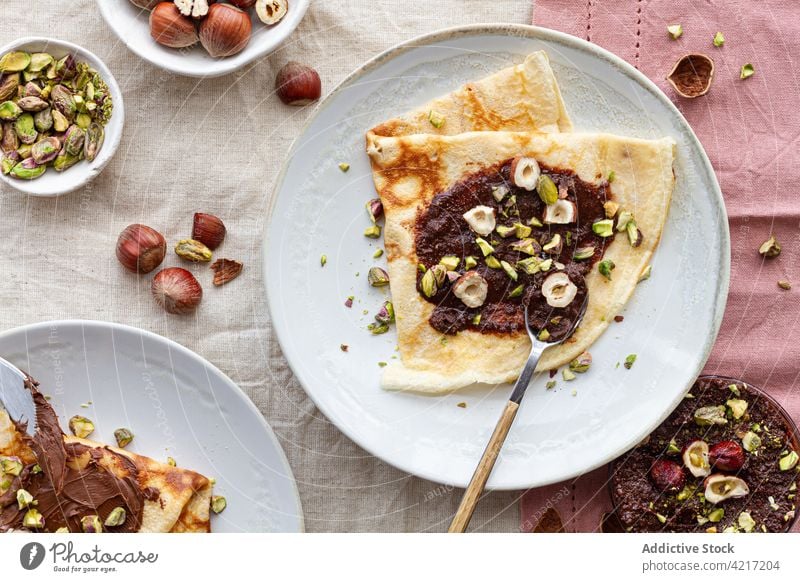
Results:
<point x="61" y="116"/>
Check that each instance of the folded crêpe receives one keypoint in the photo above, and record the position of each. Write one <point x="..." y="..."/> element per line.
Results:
<point x="410" y="171"/>
<point x="158" y="497"/>
<point x="524" y="97"/>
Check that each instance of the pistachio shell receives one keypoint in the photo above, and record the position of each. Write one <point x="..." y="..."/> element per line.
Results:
<point x="14" y="61"/>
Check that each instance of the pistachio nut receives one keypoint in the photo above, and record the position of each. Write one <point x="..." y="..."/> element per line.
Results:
<point x="583" y="253"/>
<point x="190" y="249"/>
<point x="531" y="265"/>
<point x="645" y="274"/>
<point x="373" y="231"/>
<point x="60" y="123"/>
<point x="374" y="209"/>
<point x="493" y="263"/>
<point x="123" y="436"/>
<point x="554" y="245"/>
<point x="634" y="234"/>
<point x="81" y="426"/>
<point x="428" y="284"/>
<point x="581" y="363"/>
<point x="24" y="150"/>
<point x="485" y="247"/>
<point x="8" y="162"/>
<point x="65" y="161"/>
<point x="9" y="111"/>
<point x="716" y="515"/>
<point x="751" y="442"/>
<point x="605" y="267"/>
<point x="26" y="130"/>
<point x="14" y="61"/>
<point x="623" y="219"/>
<point x="603" y="228"/>
<point x="116" y="518"/>
<point x="377" y="277"/>
<point x="746" y="522"/>
<point x="27" y="169"/>
<point x="505" y="231"/>
<point x="31" y="90"/>
<point x="378" y="328"/>
<point x="33" y="519"/>
<point x="470" y="262"/>
<point x="385" y="313"/>
<point x="11" y="466"/>
<point x="610" y="208"/>
<point x="91" y="524"/>
<point x="510" y="271"/>
<point x="499" y="192"/>
<point x="788" y="461"/>
<point x="543" y="336"/>
<point x="66" y="68"/>
<point x="450" y="262"/>
<point x="24" y="499"/>
<point x="39" y="62"/>
<point x="738" y="407"/>
<point x="43" y="120"/>
<point x="83" y="120"/>
<point x="437" y="119"/>
<point x="8" y="86"/>
<point x="73" y="140"/>
<point x="517" y="291"/>
<point x="710" y="415"/>
<point x="45" y="150"/>
<point x="32" y="104"/>
<point x="547" y="189"/>
<point x="527" y="246"/>
<point x="9" y="141"/>
<point x="535" y="222"/>
<point x="218" y="503"/>
<point x="64" y="101"/>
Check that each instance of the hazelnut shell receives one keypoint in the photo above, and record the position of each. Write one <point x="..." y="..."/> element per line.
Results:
<point x="692" y="75"/>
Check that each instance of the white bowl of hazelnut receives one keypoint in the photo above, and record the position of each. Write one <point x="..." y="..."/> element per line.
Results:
<point x="202" y="38"/>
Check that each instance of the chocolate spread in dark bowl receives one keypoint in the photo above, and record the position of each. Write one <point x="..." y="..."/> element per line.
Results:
<point x="768" y="470"/>
<point x="442" y="231"/>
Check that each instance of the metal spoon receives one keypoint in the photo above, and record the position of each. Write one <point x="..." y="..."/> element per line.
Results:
<point x="490" y="454"/>
<point x="15" y="398"/>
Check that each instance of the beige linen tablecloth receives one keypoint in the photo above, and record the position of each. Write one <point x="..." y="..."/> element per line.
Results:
<point x="216" y="146"/>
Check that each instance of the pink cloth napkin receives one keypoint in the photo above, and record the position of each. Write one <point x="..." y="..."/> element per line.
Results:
<point x="751" y="131"/>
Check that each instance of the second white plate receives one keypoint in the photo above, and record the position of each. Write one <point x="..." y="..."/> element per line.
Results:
<point x="670" y="323"/>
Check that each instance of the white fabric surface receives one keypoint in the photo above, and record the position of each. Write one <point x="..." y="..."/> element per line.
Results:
<point x="216" y="146"/>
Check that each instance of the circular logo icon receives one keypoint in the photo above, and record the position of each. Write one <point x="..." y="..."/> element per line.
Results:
<point x="31" y="555"/>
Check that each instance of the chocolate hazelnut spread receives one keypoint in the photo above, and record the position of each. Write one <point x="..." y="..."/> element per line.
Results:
<point x="71" y="480"/>
<point x="441" y="231"/>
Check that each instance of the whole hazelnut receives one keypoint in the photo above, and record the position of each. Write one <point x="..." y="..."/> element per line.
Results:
<point x="243" y="4"/>
<point x="225" y="30"/>
<point x="171" y="28"/>
<point x="140" y="248"/>
<point x="146" y="4"/>
<point x="667" y="475"/>
<point x="176" y="290"/>
<point x="726" y="456"/>
<point x="297" y="84"/>
<point x="208" y="229"/>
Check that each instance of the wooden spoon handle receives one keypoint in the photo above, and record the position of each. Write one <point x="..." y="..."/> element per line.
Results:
<point x="484" y="469"/>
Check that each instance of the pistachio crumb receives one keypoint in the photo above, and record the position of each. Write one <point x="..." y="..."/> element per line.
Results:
<point x="675" y="31"/>
<point x="551" y="384"/>
<point x="747" y="71"/>
<point x="377" y="254"/>
<point x="436" y="118"/>
<point x="382" y="364"/>
<point x="344" y="166"/>
<point x="462" y="404"/>
<point x="611" y="176"/>
<point x="784" y="284"/>
<point x="719" y="40"/>
<point x="323" y="260"/>
<point x="344" y="347"/>
<point x="629" y="361"/>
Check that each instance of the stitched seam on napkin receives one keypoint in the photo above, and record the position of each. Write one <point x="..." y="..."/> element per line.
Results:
<point x="589" y="20"/>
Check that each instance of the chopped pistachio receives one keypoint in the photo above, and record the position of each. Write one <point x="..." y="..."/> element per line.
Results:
<point x="774" y="506"/>
<point x="218" y="503"/>
<point x="436" y="118"/>
<point x="24" y="499"/>
<point x="493" y="263"/>
<point x="11" y="466"/>
<point x="510" y="271"/>
<point x="630" y="359"/>
<point x="623" y="220"/>
<point x="385" y="313"/>
<point x="734" y="389"/>
<point x="634" y="234"/>
<point x="374" y="209"/>
<point x="344" y="166"/>
<point x="710" y="415"/>
<point x="81" y="426"/>
<point x="485" y="247"/>
<point x="645" y="273"/>
<point x="784" y="284"/>
<point x="605" y="267"/>
<point x="123" y="437"/>
<point x="323" y="260"/>
<point x="470" y="262"/>
<point x="462" y="404"/>
<point x="171" y="462"/>
<point x="377" y="254"/>
<point x="521" y="230"/>
<point x="770" y="248"/>
<point x="535" y="222"/>
<point x="675" y="31"/>
<point x="603" y="228"/>
<point x="751" y="442"/>
<point x="746" y="522"/>
<point x="612" y="175"/>
<point x="583" y="253"/>
<point x="673" y="448"/>
<point x="421" y="268"/>
<point x="716" y="515"/>
<point x="661" y="518"/>
<point x="610" y="208"/>
<point x="116" y="517"/>
<point x="377" y="277"/>
<point x="547" y="189"/>
<point x="582" y="363"/>
<point x="531" y="265"/>
<point x="33" y="519"/>
<point x="567" y="375"/>
<point x="378" y="328"/>
<point x="738" y="407"/>
<point x="747" y="71"/>
<point x="373" y="231"/>
<point x="545" y="265"/>
<point x="788" y="462"/>
<point x="543" y="336"/>
<point x="505" y="231"/>
<point x="719" y="40"/>
<point x="517" y="291"/>
<point x="476" y="319"/>
<point x="550" y="385"/>
<point x="553" y="244"/>
<point x="450" y="262"/>
<point x="499" y="192"/>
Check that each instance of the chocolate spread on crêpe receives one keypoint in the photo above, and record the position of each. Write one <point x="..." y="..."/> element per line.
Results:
<point x="71" y="480"/>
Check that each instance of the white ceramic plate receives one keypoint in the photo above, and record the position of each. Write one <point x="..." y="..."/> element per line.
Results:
<point x="132" y="26"/>
<point x="670" y="323"/>
<point x="176" y="403"/>
<point x="53" y="183"/>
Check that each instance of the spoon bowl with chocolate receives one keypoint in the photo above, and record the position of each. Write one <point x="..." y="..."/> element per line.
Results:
<point x="726" y="460"/>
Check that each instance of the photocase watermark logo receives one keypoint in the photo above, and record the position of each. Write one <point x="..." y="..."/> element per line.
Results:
<point x="31" y="555"/>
